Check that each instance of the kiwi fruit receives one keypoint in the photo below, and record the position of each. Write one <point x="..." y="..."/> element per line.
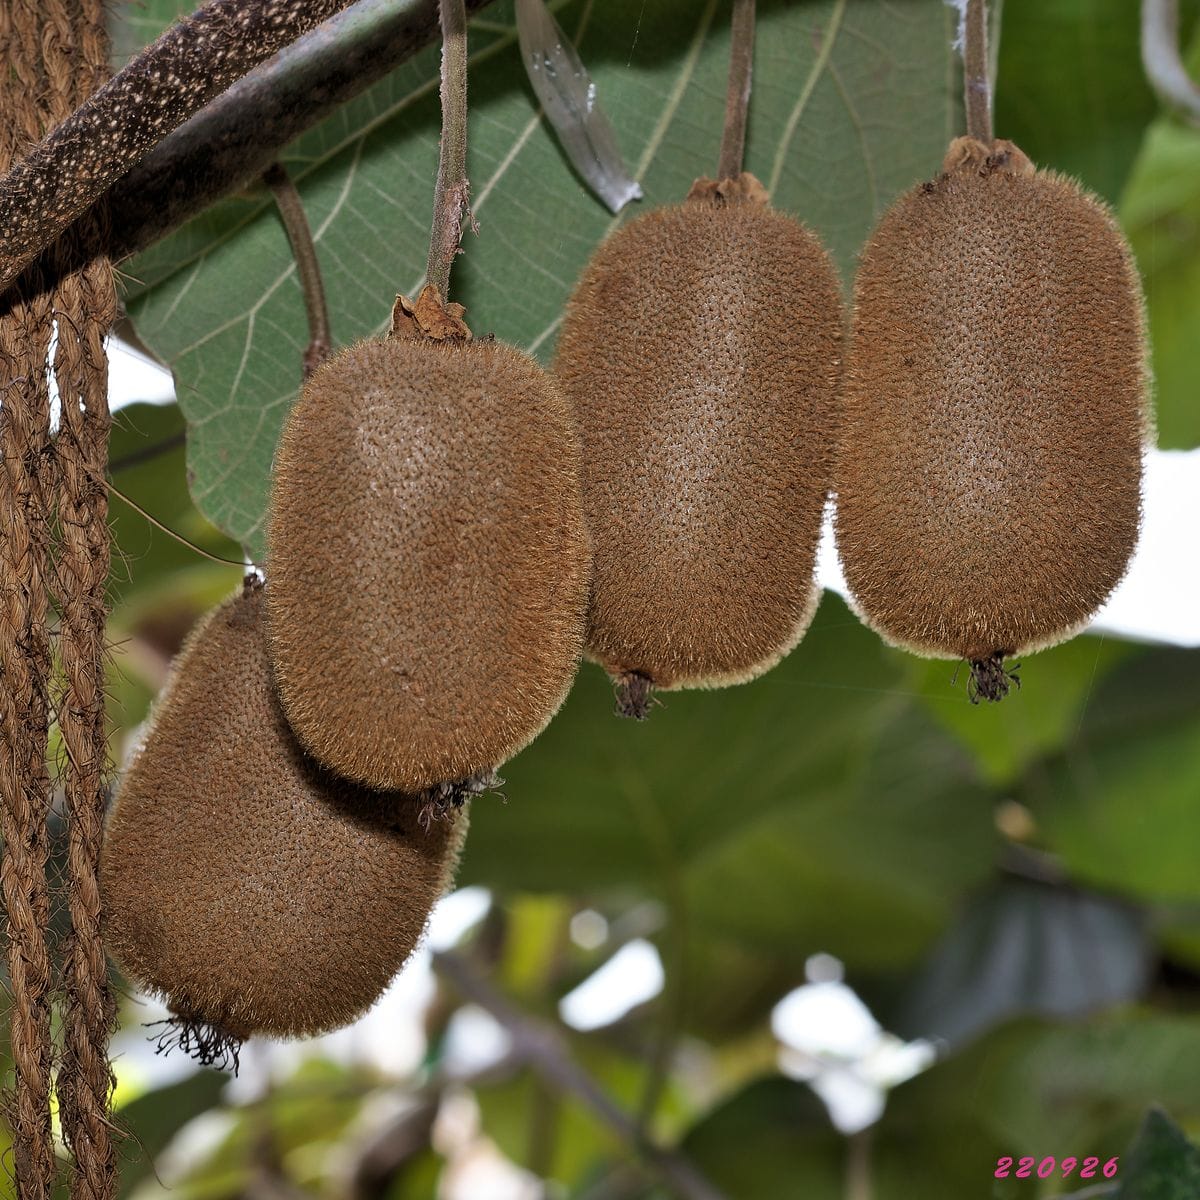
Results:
<point x="995" y="414"/>
<point x="254" y="890"/>
<point x="701" y="351"/>
<point x="427" y="559"/>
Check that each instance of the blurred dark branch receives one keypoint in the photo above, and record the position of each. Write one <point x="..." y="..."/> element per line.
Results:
<point x="385" y="1154"/>
<point x="544" y="1048"/>
<point x="62" y="176"/>
<point x="858" y="1166"/>
<point x="230" y="142"/>
<point x="1162" y="60"/>
<point x="135" y="458"/>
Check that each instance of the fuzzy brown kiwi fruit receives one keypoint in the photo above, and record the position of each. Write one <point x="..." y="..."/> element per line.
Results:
<point x="428" y="564"/>
<point x="996" y="393"/>
<point x="251" y="888"/>
<point x="701" y="352"/>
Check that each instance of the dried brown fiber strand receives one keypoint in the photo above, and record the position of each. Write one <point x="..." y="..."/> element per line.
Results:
<point x="84" y="309"/>
<point x="427" y="559"/>
<point x="28" y="46"/>
<point x="195" y="60"/>
<point x="701" y="349"/>
<point x="256" y="891"/>
<point x="988" y="488"/>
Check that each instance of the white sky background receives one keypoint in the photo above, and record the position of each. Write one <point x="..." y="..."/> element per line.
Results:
<point x="1158" y="601"/>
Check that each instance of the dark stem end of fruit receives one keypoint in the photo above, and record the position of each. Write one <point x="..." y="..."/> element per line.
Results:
<point x="634" y="695"/>
<point x="209" y="1044"/>
<point x="990" y="679"/>
<point x="427" y="318"/>
<point x="740" y="189"/>
<point x="442" y="800"/>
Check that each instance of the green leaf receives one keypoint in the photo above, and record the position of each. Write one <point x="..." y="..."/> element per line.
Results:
<point x="772" y="1139"/>
<point x="136" y="23"/>
<point x="528" y="1120"/>
<point x="1025" y="947"/>
<point x="146" y="457"/>
<point x="152" y="1120"/>
<point x="834" y="82"/>
<point x="815" y="808"/>
<point x="1162" y="1164"/>
<point x="1160" y="209"/>
<point x="1070" y="89"/>
<point x="1118" y="805"/>
<point x="1069" y="1089"/>
<point x="158" y="587"/>
<point x="1032" y="721"/>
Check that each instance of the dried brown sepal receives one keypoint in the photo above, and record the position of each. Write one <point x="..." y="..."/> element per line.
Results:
<point x="998" y="157"/>
<point x="742" y="189"/>
<point x="428" y="318"/>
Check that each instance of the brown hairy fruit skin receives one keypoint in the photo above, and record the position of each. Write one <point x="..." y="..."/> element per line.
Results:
<point x="701" y="351"/>
<point x="251" y="888"/>
<point x="428" y="564"/>
<point x="996" y="392"/>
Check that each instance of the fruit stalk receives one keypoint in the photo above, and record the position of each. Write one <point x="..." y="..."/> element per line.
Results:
<point x="737" y="100"/>
<point x="308" y="266"/>
<point x="977" y="88"/>
<point x="541" y="1045"/>
<point x="450" y="203"/>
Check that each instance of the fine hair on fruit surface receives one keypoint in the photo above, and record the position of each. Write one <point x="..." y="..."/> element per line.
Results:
<point x="701" y="350"/>
<point x="250" y="888"/>
<point x="995" y="413"/>
<point x="428" y="565"/>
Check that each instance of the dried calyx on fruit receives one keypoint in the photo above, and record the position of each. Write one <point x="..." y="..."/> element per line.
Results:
<point x="996" y="392"/>
<point x="427" y="559"/>
<point x="701" y="352"/>
<point x="253" y="890"/>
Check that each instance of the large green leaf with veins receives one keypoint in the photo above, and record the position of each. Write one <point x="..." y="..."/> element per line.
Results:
<point x="852" y="103"/>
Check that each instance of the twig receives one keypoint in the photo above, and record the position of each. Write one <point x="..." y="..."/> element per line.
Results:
<point x="233" y="140"/>
<point x="450" y="201"/>
<point x="69" y="169"/>
<point x="1160" y="56"/>
<point x="858" y="1165"/>
<point x="171" y="532"/>
<point x="666" y="1036"/>
<point x="543" y="1048"/>
<point x="977" y="91"/>
<point x="308" y="267"/>
<point x="737" y="100"/>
